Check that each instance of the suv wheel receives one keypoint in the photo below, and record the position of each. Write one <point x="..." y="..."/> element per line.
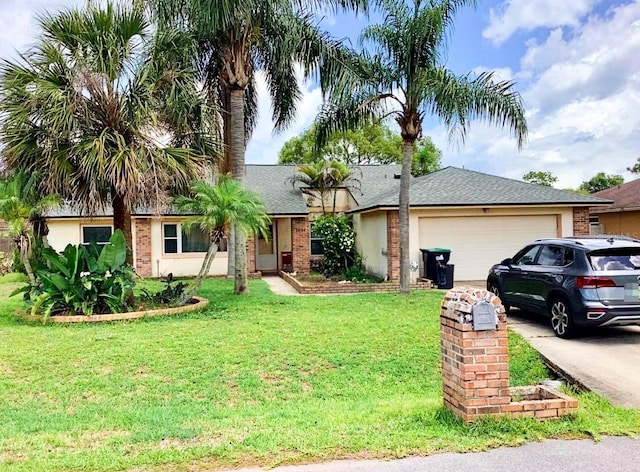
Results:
<point x="493" y="288"/>
<point x="562" y="319"/>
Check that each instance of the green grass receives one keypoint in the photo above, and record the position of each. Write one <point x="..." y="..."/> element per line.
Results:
<point x="262" y="379"/>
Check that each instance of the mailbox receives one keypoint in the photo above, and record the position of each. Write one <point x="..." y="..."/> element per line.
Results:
<point x="484" y="316"/>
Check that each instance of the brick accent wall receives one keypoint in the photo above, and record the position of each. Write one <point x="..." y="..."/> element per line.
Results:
<point x="301" y="245"/>
<point x="475" y="366"/>
<point x="326" y="287"/>
<point x="393" y="246"/>
<point x="581" y="221"/>
<point x="251" y="254"/>
<point x="143" y="262"/>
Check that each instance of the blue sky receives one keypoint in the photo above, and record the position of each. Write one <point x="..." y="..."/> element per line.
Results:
<point x="575" y="62"/>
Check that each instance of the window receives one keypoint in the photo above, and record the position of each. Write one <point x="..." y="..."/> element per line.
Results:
<point x="594" y="225"/>
<point x="97" y="234"/>
<point x="316" y="243"/>
<point x="555" y="256"/>
<point x="180" y="240"/>
<point x="615" y="260"/>
<point x="526" y="257"/>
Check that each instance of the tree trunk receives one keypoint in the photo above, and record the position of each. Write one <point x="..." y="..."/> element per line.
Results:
<point x="204" y="271"/>
<point x="335" y="194"/>
<point x="403" y="215"/>
<point x="226" y="167"/>
<point x="231" y="253"/>
<point x="25" y="257"/>
<point x="122" y="221"/>
<point x="237" y="150"/>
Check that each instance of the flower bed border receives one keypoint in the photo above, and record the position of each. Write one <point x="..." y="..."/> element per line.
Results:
<point x="131" y="315"/>
<point x="336" y="288"/>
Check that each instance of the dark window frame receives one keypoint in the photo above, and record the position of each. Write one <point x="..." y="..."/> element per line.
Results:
<point x="314" y="243"/>
<point x="86" y="242"/>
<point x="179" y="239"/>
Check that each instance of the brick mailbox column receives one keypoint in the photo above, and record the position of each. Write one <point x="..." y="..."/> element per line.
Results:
<point x="475" y="363"/>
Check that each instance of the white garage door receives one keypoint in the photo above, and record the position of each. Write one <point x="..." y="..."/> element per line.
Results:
<point x="477" y="243"/>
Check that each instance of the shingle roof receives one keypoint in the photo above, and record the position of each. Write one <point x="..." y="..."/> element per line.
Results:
<point x="272" y="184"/>
<point x="280" y="196"/>
<point x="624" y="196"/>
<point x="452" y="186"/>
<point x="379" y="187"/>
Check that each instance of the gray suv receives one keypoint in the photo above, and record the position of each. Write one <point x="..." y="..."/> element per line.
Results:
<point x="578" y="281"/>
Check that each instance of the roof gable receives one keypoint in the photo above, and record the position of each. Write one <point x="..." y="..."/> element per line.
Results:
<point x="625" y="196"/>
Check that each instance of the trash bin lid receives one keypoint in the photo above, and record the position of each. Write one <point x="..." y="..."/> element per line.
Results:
<point x="436" y="249"/>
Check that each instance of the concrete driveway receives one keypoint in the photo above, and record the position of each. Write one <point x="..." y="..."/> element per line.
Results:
<point x="606" y="361"/>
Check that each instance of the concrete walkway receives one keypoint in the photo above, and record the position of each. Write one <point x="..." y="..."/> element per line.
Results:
<point x="278" y="285"/>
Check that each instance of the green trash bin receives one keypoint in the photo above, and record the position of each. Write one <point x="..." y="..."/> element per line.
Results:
<point x="435" y="266"/>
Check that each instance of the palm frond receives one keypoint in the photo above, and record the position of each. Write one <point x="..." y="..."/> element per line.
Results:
<point x="457" y="100"/>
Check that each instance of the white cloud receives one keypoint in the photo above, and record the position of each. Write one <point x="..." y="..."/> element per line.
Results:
<point x="499" y="74"/>
<point x="18" y="22"/>
<point x="528" y="15"/>
<point x="582" y="95"/>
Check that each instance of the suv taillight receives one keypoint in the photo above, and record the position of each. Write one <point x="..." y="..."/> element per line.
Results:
<point x="594" y="282"/>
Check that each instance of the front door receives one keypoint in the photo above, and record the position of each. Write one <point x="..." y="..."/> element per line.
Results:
<point x="266" y="254"/>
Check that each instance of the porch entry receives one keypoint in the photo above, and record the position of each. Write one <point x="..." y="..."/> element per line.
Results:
<point x="266" y="253"/>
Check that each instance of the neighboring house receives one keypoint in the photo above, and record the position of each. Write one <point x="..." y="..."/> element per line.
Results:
<point x="481" y="218"/>
<point x="622" y="217"/>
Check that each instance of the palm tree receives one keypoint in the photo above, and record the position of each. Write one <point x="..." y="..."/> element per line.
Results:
<point x="110" y="113"/>
<point x="22" y="207"/>
<point x="325" y="178"/>
<point x="404" y="79"/>
<point x="237" y="39"/>
<point x="214" y="209"/>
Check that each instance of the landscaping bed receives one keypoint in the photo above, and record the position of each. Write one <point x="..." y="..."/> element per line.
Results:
<point x="197" y="303"/>
<point x="316" y="284"/>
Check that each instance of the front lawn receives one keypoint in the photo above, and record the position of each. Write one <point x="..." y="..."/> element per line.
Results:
<point x="262" y="379"/>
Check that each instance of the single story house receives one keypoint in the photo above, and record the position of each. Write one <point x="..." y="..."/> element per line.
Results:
<point x="622" y="215"/>
<point x="481" y="218"/>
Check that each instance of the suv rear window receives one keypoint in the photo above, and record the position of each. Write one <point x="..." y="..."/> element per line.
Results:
<point x="626" y="259"/>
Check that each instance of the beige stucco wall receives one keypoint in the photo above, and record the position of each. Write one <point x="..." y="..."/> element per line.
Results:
<point x="179" y="264"/>
<point x="371" y="241"/>
<point x="68" y="231"/>
<point x="344" y="200"/>
<point x="624" y="223"/>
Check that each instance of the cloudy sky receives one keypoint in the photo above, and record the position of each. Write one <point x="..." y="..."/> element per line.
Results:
<point x="576" y="64"/>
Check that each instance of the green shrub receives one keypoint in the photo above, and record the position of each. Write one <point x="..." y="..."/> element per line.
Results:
<point x="338" y="242"/>
<point x="170" y="295"/>
<point x="83" y="280"/>
<point x="358" y="274"/>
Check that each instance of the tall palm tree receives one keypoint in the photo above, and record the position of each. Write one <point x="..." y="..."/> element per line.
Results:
<point x="404" y="79"/>
<point x="22" y="207"/>
<point x="239" y="38"/>
<point x="110" y="112"/>
<point x="214" y="209"/>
